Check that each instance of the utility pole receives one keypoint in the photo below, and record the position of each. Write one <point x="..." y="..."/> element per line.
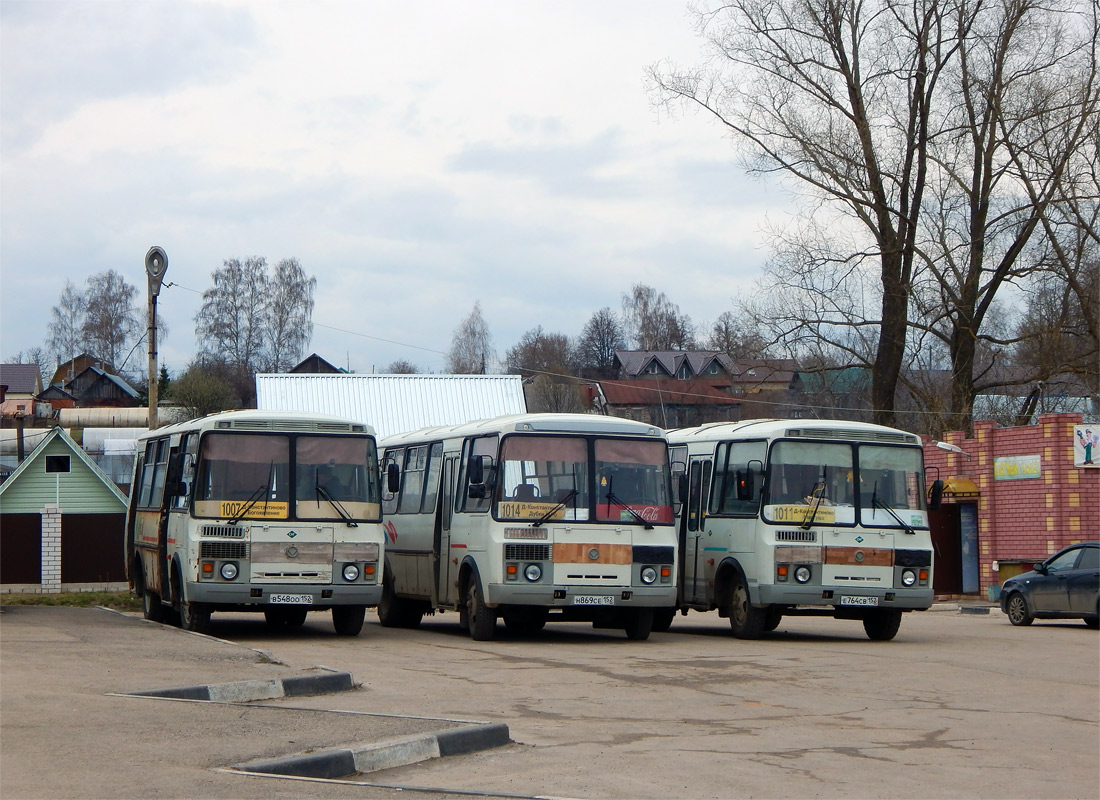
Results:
<point x="156" y="264"/>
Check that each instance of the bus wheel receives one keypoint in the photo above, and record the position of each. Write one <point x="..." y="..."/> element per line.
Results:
<point x="285" y="616"/>
<point x="882" y="626"/>
<point x="194" y="617"/>
<point x="394" y="611"/>
<point x="746" y="621"/>
<point x="662" y="619"/>
<point x="772" y="618"/>
<point x="525" y="620"/>
<point x="481" y="619"/>
<point x="151" y="607"/>
<point x="348" y="620"/>
<point x="639" y="622"/>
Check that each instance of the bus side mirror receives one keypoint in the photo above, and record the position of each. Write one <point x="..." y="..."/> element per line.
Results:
<point x="393" y="478"/>
<point x="744" y="485"/>
<point x="935" y="497"/>
<point x="475" y="472"/>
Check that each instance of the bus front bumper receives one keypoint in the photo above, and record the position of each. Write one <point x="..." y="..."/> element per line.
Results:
<point x="502" y="594"/>
<point x="841" y="599"/>
<point x="267" y="594"/>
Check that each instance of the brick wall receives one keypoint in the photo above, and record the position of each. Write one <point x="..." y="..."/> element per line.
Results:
<point x="1031" y="518"/>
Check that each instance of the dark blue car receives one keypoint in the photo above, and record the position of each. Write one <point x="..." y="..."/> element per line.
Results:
<point x="1065" y="586"/>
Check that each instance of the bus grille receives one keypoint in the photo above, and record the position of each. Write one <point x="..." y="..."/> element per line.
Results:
<point x="237" y="550"/>
<point x="653" y="554"/>
<point x="528" y="552"/>
<point x="224" y="531"/>
<point x="796" y="536"/>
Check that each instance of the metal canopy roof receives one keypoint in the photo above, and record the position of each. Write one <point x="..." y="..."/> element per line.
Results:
<point x="394" y="403"/>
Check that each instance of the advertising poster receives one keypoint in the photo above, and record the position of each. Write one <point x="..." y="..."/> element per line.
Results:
<point x="1086" y="445"/>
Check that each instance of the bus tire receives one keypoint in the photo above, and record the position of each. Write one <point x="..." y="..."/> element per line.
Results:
<point x="151" y="607"/>
<point x="481" y="619"/>
<point x="662" y="619"/>
<point x="348" y="620"/>
<point x="882" y="625"/>
<point x="772" y="618"/>
<point x="394" y="611"/>
<point x="194" y="617"/>
<point x="525" y="620"/>
<point x="639" y="622"/>
<point x="285" y="616"/>
<point x="746" y="621"/>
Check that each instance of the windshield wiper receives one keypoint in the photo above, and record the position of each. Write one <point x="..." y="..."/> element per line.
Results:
<point x="343" y="512"/>
<point x="876" y="503"/>
<point x="611" y="498"/>
<point x="560" y="504"/>
<point x="252" y="500"/>
<point x="818" y="494"/>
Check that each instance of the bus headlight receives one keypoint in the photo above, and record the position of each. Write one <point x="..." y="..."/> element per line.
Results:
<point x="649" y="575"/>
<point x="532" y="572"/>
<point x="229" y="570"/>
<point x="351" y="572"/>
<point x="908" y="577"/>
<point x="803" y="574"/>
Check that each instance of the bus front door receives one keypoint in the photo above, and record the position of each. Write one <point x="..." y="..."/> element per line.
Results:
<point x="446" y="572"/>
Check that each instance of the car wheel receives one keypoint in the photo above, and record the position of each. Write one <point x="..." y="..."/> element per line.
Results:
<point x="481" y="620"/>
<point x="348" y="620"/>
<point x="525" y="620"/>
<point x="1017" y="610"/>
<point x="394" y="611"/>
<point x="772" y="619"/>
<point x="151" y="607"/>
<point x="639" y="622"/>
<point x="882" y="625"/>
<point x="746" y="621"/>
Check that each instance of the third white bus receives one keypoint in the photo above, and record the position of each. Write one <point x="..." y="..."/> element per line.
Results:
<point x="808" y="517"/>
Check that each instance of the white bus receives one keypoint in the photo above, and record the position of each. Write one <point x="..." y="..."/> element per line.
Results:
<point x="802" y="517"/>
<point x="256" y="511"/>
<point x="530" y="518"/>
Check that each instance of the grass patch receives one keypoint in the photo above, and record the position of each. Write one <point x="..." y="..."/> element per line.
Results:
<point x="121" y="601"/>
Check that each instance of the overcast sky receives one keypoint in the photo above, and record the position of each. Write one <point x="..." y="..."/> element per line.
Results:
<point x="415" y="157"/>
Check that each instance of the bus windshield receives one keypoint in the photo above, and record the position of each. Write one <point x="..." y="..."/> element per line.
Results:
<point x="250" y="476"/>
<point x="890" y="479"/>
<point x="549" y="476"/>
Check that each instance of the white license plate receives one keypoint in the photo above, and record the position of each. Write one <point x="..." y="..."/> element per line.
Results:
<point x="594" y="600"/>
<point x="846" y="600"/>
<point x="292" y="599"/>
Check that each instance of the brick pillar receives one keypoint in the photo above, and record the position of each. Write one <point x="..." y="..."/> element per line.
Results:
<point x="51" y="549"/>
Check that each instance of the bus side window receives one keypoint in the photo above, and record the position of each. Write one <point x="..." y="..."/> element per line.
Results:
<point x="389" y="499"/>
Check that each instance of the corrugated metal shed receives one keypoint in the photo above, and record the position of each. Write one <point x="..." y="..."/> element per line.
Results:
<point x="394" y="403"/>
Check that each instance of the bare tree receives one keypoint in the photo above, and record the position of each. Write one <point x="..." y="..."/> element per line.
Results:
<point x="471" y="350"/>
<point x="921" y="122"/>
<point x="231" y="324"/>
<point x="737" y="337"/>
<point x="541" y="353"/>
<point x="654" y="322"/>
<point x="289" y="326"/>
<point x="203" y="390"/>
<point x="112" y="324"/>
<point x="402" y="367"/>
<point x="601" y="338"/>
<point x="545" y="393"/>
<point x="37" y="356"/>
<point x="65" y="333"/>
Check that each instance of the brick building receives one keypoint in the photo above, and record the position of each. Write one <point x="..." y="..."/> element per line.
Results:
<point x="1013" y="497"/>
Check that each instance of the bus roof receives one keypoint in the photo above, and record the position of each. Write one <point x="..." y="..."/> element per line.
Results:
<point x="531" y="423"/>
<point x="255" y="420"/>
<point x="798" y="428"/>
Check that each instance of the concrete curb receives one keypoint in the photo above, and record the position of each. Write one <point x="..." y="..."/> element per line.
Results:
<point x="250" y="691"/>
<point x="340" y="763"/>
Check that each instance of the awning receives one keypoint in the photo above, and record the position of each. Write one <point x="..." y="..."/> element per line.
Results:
<point x="960" y="487"/>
